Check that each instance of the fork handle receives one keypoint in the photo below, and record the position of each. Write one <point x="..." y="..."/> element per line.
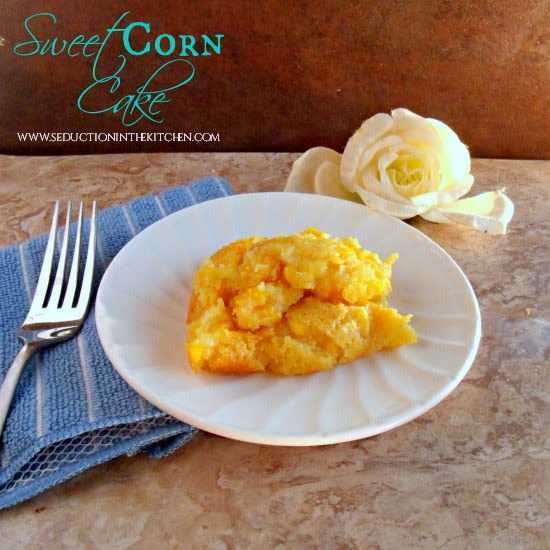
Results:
<point x="12" y="377"/>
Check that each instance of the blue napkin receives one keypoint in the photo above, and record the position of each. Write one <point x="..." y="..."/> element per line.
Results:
<point x="71" y="409"/>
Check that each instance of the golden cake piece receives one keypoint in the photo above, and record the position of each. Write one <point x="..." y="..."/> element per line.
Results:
<point x="290" y="305"/>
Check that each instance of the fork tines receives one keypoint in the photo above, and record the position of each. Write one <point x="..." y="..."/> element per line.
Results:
<point x="67" y="294"/>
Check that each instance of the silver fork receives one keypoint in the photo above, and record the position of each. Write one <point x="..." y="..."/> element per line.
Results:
<point x="59" y="305"/>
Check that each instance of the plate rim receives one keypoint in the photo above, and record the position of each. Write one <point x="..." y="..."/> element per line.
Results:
<point x="274" y="438"/>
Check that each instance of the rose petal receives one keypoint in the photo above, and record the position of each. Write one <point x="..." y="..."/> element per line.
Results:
<point x="383" y="188"/>
<point x="302" y="176"/>
<point x="370" y="131"/>
<point x="327" y="182"/>
<point x="401" y="210"/>
<point x="456" y="163"/>
<point x="407" y="121"/>
<point x="427" y="160"/>
<point x="490" y="212"/>
<point x="389" y="143"/>
<point x="402" y="116"/>
<point x="442" y="140"/>
<point x="446" y="196"/>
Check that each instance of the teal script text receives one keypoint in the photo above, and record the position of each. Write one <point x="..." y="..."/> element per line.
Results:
<point x="124" y="40"/>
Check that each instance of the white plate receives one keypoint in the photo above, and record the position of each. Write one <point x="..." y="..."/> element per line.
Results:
<point x="142" y="305"/>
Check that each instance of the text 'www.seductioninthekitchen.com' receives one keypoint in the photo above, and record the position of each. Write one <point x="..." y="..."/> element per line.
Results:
<point x="119" y="137"/>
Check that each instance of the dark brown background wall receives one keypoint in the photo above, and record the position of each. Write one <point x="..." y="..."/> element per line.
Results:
<point x="297" y="74"/>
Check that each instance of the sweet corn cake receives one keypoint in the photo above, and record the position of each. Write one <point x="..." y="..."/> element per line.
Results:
<point x="293" y="304"/>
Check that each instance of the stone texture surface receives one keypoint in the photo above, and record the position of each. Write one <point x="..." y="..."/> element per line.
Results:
<point x="472" y="473"/>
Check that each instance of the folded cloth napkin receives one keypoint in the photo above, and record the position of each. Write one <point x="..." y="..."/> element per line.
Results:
<point x="71" y="409"/>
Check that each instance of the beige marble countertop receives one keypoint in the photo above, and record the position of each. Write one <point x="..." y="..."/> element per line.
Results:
<point x="472" y="473"/>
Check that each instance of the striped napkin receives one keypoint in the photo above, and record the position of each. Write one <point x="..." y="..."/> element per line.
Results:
<point x="71" y="409"/>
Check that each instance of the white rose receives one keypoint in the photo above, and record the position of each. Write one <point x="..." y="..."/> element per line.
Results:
<point x="404" y="165"/>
